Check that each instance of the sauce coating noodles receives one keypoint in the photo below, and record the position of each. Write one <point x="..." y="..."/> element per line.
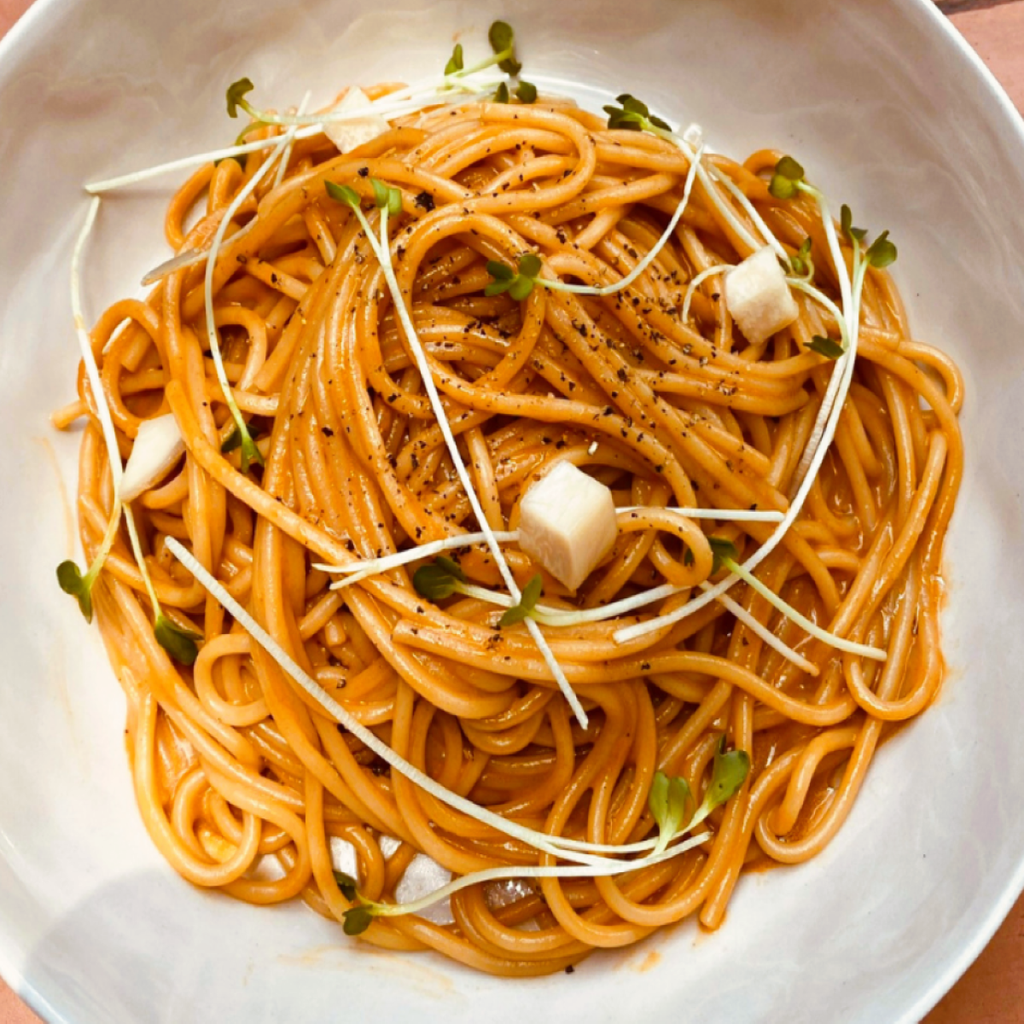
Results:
<point x="234" y="766"/>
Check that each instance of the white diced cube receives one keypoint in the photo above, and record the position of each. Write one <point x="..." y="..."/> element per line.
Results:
<point x="567" y="523"/>
<point x="347" y="135"/>
<point x="158" y="446"/>
<point x="757" y="296"/>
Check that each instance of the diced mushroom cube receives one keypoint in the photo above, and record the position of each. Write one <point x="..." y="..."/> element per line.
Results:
<point x="567" y="523"/>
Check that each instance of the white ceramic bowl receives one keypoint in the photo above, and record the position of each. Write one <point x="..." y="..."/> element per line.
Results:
<point x="889" y="111"/>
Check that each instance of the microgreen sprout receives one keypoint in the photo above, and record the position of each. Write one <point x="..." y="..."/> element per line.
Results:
<point x="71" y="579"/>
<point x="633" y="115"/>
<point x="438" y="580"/>
<point x="729" y="770"/>
<point x="358" y="917"/>
<point x="518" y="285"/>
<point x="527" y="603"/>
<point x="503" y="42"/>
<point x="786" y="179"/>
<point x="236" y="97"/>
<point x="721" y="550"/>
<point x="667" y="802"/>
<point x="180" y="643"/>
<point x="501" y="94"/>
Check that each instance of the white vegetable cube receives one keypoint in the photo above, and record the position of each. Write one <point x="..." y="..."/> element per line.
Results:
<point x="158" y="446"/>
<point x="757" y="296"/>
<point x="567" y="523"/>
<point x="348" y="135"/>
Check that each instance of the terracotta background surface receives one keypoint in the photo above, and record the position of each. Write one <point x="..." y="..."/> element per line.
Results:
<point x="992" y="990"/>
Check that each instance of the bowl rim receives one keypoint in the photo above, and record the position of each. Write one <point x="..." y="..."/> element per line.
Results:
<point x="993" y="98"/>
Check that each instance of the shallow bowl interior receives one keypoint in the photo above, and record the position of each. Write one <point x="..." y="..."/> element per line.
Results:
<point x="889" y="113"/>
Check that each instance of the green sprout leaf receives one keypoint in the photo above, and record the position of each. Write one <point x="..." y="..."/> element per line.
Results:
<point x="633" y="115"/>
<point x="527" y="602"/>
<point x="454" y="61"/>
<point x="526" y="92"/>
<point x="181" y="644"/>
<point x="846" y="222"/>
<point x="503" y="43"/>
<point x="722" y="549"/>
<point x="236" y="95"/>
<point x="357" y="920"/>
<point x="789" y="168"/>
<point x="667" y="801"/>
<point x="71" y="581"/>
<point x="518" y="285"/>
<point x="380" y="193"/>
<point x="728" y="772"/>
<point x="438" y="580"/>
<point x="231" y="442"/>
<point x="347" y="885"/>
<point x="521" y="287"/>
<point x="881" y="253"/>
<point x="500" y="271"/>
<point x="782" y="187"/>
<point x="343" y="194"/>
<point x="501" y="94"/>
<point x="385" y="195"/>
<point x="827" y="347"/>
<point x="786" y="179"/>
<point x="529" y="265"/>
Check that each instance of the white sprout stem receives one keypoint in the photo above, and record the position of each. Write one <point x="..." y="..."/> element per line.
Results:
<point x="211" y="264"/>
<point x="383" y="253"/>
<point x="189" y="258"/>
<point x="838" y="642"/>
<point x="719" y="268"/>
<point x="434" y="547"/>
<point x="282" y="166"/>
<point x="849" y="327"/>
<point x="386" y="106"/>
<point x="567" y="849"/>
<point x="196" y="160"/>
<point x="732" y="515"/>
<point x="751" y="210"/>
<point x="147" y="580"/>
<point x="764" y="632"/>
<point x="709" y="186"/>
<point x="311" y="128"/>
<point x="649" y="257"/>
<point x="92" y="370"/>
<point x="533" y="871"/>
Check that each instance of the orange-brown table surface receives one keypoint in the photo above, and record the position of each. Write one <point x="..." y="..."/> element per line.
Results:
<point x="992" y="990"/>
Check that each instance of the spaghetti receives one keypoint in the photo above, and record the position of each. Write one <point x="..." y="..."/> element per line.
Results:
<point x="247" y="781"/>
